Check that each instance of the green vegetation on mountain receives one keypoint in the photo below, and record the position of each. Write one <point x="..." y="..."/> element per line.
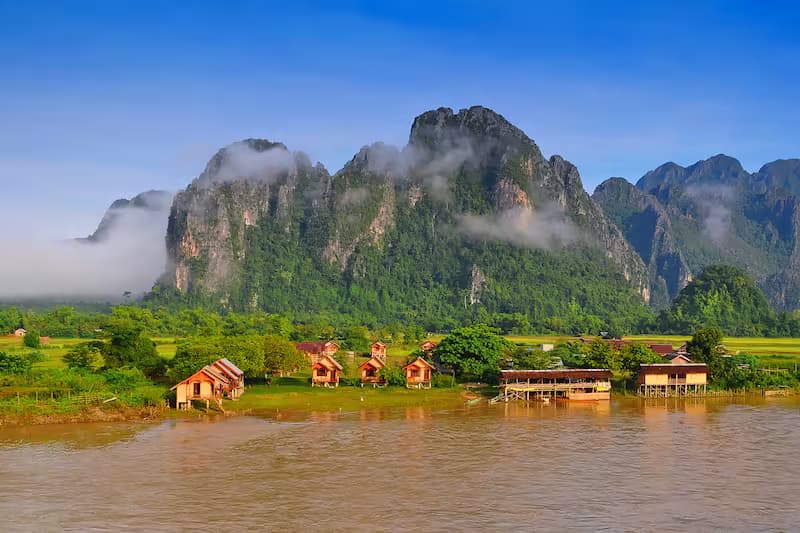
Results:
<point x="725" y="297"/>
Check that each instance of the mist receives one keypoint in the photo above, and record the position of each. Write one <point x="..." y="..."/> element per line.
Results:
<point x="130" y="256"/>
<point x="415" y="162"/>
<point x="241" y="161"/>
<point x="544" y="228"/>
<point x="715" y="215"/>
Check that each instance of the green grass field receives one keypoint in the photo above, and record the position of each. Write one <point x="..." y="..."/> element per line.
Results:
<point x="778" y="352"/>
<point x="295" y="393"/>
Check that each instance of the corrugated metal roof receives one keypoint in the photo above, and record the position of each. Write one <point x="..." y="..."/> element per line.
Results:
<point x="670" y="368"/>
<point x="560" y="373"/>
<point x="230" y="365"/>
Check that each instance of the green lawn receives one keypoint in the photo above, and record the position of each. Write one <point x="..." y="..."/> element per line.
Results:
<point x="296" y="393"/>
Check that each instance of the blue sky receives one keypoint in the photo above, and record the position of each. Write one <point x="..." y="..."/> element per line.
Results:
<point x="100" y="100"/>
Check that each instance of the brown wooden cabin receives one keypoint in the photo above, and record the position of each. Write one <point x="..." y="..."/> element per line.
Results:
<point x="316" y="349"/>
<point x="661" y="349"/>
<point x="564" y="383"/>
<point x="378" y="349"/>
<point x="207" y="384"/>
<point x="370" y="372"/>
<point x="668" y="379"/>
<point x="21" y="332"/>
<point x="234" y="374"/>
<point x="325" y="372"/>
<point x="427" y="346"/>
<point x="677" y="358"/>
<point x="419" y="373"/>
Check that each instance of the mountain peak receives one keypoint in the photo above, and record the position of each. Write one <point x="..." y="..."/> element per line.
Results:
<point x="441" y="125"/>
<point x="718" y="169"/>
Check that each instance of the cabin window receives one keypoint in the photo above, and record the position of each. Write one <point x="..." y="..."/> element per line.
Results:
<point x="414" y="372"/>
<point x="370" y="372"/>
<point x="427" y="374"/>
<point x="196" y="389"/>
<point x="321" y="372"/>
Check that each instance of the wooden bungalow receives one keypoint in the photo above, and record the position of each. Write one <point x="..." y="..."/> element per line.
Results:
<point x="20" y="332"/>
<point x="677" y="358"/>
<point x="564" y="383"/>
<point x="661" y="349"/>
<point x="663" y="380"/>
<point x="207" y="384"/>
<point x="44" y="340"/>
<point x="370" y="372"/>
<point x="419" y="373"/>
<point x="325" y="372"/>
<point x="378" y="349"/>
<point x="427" y="346"/>
<point x="234" y="374"/>
<point x="314" y="350"/>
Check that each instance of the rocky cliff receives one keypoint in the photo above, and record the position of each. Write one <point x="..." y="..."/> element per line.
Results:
<point x="682" y="219"/>
<point x="468" y="215"/>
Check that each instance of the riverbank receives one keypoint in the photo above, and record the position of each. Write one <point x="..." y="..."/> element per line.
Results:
<point x="88" y="414"/>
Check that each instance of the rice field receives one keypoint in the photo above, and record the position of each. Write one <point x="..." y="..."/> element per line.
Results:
<point x="55" y="350"/>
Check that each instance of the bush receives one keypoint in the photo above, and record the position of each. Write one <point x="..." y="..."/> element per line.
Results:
<point x="32" y="339"/>
<point x="442" y="381"/>
<point x="349" y="382"/>
<point x="125" y="379"/>
<point x="18" y="363"/>
<point x="147" y="395"/>
<point x="85" y="356"/>
<point x="393" y="375"/>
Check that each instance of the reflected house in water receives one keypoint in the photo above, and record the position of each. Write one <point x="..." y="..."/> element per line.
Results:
<point x="325" y="372"/>
<point x="418" y="374"/>
<point x="370" y="372"/>
<point x="667" y="379"/>
<point x="316" y="349"/>
<point x="564" y="383"/>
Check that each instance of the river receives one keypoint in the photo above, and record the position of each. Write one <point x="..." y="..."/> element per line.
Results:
<point x="627" y="465"/>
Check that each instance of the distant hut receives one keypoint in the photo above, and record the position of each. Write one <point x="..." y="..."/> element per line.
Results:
<point x="21" y="332"/>
<point x="427" y="346"/>
<point x="661" y="349"/>
<point x="418" y="374"/>
<point x="316" y="349"/>
<point x="44" y="340"/>
<point x="678" y="358"/>
<point x="206" y="384"/>
<point x="370" y="371"/>
<point x="378" y="349"/>
<point x="325" y="372"/>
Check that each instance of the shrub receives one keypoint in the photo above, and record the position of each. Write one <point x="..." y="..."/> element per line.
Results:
<point x="17" y="363"/>
<point x="125" y="379"/>
<point x="393" y="375"/>
<point x="85" y="356"/>
<point x="442" y="381"/>
<point x="349" y="382"/>
<point x="32" y="339"/>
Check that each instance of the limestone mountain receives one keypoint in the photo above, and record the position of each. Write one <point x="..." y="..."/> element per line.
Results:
<point x="713" y="212"/>
<point x="153" y="205"/>
<point x="469" y="218"/>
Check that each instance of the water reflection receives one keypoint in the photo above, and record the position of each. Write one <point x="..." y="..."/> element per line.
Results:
<point x="620" y="465"/>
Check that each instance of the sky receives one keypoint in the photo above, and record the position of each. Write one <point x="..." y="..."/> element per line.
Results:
<point x="102" y="100"/>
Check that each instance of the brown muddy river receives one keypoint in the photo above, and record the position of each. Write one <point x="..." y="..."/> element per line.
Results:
<point x="700" y="465"/>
